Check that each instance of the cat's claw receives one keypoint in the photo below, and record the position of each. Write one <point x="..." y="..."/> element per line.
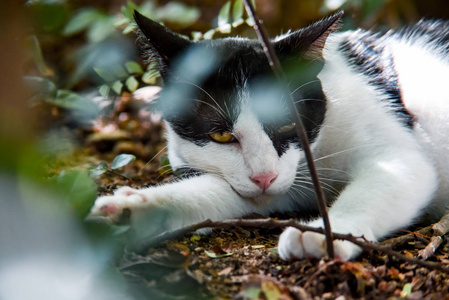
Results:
<point x="295" y="244"/>
<point x="117" y="208"/>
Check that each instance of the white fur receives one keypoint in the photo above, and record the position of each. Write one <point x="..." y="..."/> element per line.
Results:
<point x="393" y="173"/>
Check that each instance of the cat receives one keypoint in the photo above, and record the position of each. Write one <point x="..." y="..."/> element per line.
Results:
<point x="376" y="111"/>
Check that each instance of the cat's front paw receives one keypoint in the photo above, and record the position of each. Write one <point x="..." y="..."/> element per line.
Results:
<point x="295" y="244"/>
<point x="118" y="208"/>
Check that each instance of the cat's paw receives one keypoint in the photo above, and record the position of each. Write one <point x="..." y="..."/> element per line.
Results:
<point x="295" y="244"/>
<point x="118" y="208"/>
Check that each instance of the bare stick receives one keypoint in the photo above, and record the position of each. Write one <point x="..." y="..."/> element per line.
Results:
<point x="143" y="245"/>
<point x="300" y="131"/>
<point x="442" y="227"/>
<point x="430" y="249"/>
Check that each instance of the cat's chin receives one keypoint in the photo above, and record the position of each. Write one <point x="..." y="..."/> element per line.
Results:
<point x="262" y="199"/>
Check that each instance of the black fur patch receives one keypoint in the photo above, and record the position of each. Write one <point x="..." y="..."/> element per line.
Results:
<point x="214" y="104"/>
<point x="368" y="55"/>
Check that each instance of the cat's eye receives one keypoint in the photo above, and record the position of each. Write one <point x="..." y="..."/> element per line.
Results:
<point x="287" y="128"/>
<point x="222" y="137"/>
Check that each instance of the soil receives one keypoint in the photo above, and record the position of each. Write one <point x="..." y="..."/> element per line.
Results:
<point x="242" y="263"/>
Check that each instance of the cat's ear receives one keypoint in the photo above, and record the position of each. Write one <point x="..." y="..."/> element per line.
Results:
<point x="307" y="42"/>
<point x="159" y="43"/>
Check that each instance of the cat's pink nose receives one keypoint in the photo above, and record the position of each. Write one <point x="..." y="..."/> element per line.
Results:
<point x="264" y="181"/>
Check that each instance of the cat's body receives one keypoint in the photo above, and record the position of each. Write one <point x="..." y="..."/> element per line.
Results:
<point x="379" y="134"/>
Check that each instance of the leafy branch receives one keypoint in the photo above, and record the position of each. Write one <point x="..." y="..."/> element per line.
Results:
<point x="118" y="162"/>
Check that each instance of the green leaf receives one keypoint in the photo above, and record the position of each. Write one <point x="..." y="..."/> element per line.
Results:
<point x="225" y="28"/>
<point x="70" y="100"/>
<point x="105" y="74"/>
<point x="101" y="29"/>
<point x="212" y="254"/>
<point x="195" y="238"/>
<point x="238" y="22"/>
<point x="250" y="22"/>
<point x="122" y="160"/>
<point x="209" y="34"/>
<point x="133" y="67"/>
<point x="83" y="19"/>
<point x="179" y="13"/>
<point x="129" y="28"/>
<point x="80" y="190"/>
<point x="237" y="10"/>
<point x="40" y="86"/>
<point x="149" y="77"/>
<point x="95" y="172"/>
<point x="117" y="87"/>
<point x="223" y="15"/>
<point x="39" y="57"/>
<point x="104" y="90"/>
<point x="120" y="72"/>
<point x="196" y="35"/>
<point x="406" y="290"/>
<point x="131" y="84"/>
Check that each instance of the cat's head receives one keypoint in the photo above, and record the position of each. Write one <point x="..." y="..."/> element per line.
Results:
<point x="224" y="111"/>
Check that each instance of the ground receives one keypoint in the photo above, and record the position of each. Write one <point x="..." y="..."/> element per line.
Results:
<point x="242" y="263"/>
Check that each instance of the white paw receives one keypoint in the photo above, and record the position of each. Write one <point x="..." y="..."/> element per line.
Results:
<point x="295" y="244"/>
<point x="120" y="206"/>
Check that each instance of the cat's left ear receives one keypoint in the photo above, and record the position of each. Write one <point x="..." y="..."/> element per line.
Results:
<point x="307" y="42"/>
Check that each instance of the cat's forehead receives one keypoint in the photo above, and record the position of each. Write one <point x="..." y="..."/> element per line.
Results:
<point x="239" y="61"/>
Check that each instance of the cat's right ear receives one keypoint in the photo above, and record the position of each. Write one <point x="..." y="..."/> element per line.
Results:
<point x="307" y="42"/>
<point x="160" y="44"/>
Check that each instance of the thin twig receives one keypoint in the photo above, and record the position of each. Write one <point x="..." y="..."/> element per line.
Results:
<point x="143" y="245"/>
<point x="300" y="131"/>
<point x="442" y="227"/>
<point x="430" y="249"/>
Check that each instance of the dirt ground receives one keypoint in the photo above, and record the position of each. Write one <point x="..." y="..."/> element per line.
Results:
<point x="242" y="263"/>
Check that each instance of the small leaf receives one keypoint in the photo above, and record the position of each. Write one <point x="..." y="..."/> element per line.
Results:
<point x="250" y="22"/>
<point x="196" y="35"/>
<point x="274" y="251"/>
<point x="120" y="72"/>
<point x="70" y="100"/>
<point x="39" y="57"/>
<point x="100" y="29"/>
<point x="225" y="28"/>
<point x="406" y="290"/>
<point x="117" y="86"/>
<point x="209" y="34"/>
<point x="104" y="90"/>
<point x="195" y="238"/>
<point x="98" y="170"/>
<point x="212" y="254"/>
<point x="237" y="10"/>
<point x="223" y="15"/>
<point x="102" y="166"/>
<point x="238" y="22"/>
<point x="81" y="21"/>
<point x="105" y="74"/>
<point x="129" y="28"/>
<point x="131" y="84"/>
<point x="133" y="68"/>
<point x="122" y="160"/>
<point x="151" y="74"/>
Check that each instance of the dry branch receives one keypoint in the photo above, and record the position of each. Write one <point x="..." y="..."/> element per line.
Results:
<point x="300" y="129"/>
<point x="143" y="245"/>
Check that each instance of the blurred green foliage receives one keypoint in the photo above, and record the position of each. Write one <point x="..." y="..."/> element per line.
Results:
<point x="72" y="53"/>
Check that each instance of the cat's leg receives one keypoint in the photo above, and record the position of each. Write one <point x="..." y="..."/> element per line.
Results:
<point x="173" y="205"/>
<point x="387" y="196"/>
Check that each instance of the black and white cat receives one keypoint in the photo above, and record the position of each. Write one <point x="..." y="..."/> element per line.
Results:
<point x="376" y="108"/>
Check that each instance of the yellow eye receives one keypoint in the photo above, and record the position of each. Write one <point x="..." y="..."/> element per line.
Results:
<point x="287" y="128"/>
<point x="222" y="137"/>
